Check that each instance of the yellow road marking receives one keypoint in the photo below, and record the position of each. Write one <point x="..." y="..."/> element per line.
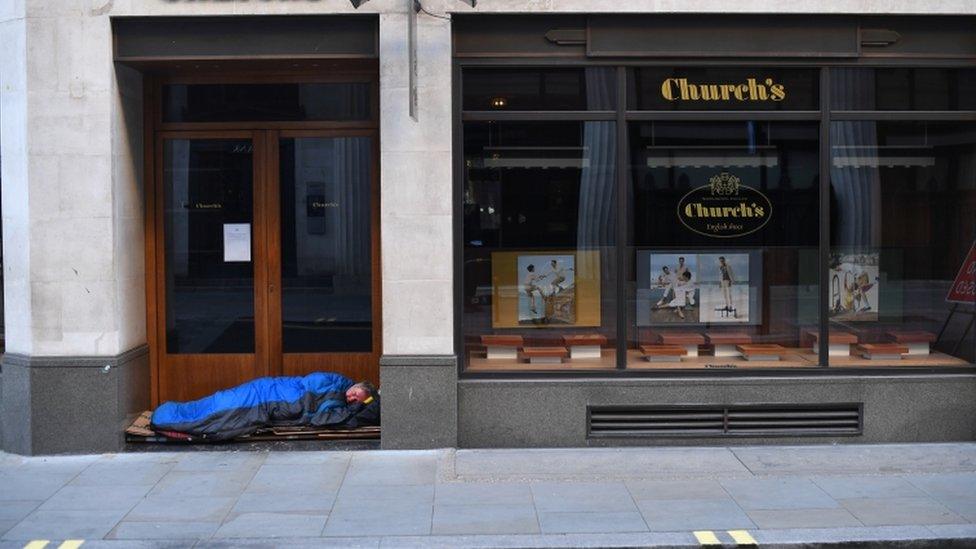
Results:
<point x="707" y="537"/>
<point x="37" y="544"/>
<point x="71" y="544"/>
<point x="742" y="537"/>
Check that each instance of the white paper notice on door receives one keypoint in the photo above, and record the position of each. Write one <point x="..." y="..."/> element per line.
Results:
<point x="237" y="242"/>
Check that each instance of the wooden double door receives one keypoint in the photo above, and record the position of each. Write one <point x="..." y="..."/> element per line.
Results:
<point x="265" y="246"/>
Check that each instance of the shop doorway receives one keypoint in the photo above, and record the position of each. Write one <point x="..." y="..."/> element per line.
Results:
<point x="263" y="244"/>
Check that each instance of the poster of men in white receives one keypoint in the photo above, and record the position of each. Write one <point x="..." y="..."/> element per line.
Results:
<point x="547" y="289"/>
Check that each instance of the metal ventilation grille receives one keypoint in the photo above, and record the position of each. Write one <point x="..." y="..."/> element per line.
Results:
<point x="767" y="420"/>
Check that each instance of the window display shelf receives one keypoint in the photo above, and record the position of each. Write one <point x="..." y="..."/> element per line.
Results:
<point x="789" y="358"/>
<point x="479" y="362"/>
<point x="935" y="359"/>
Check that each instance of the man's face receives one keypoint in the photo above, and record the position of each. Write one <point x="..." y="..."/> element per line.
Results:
<point x="356" y="394"/>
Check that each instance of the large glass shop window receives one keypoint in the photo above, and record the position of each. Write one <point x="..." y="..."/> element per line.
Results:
<point x="539" y="277"/>
<point x="724" y="245"/>
<point x="902" y="272"/>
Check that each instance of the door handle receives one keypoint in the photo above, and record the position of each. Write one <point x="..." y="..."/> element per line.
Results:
<point x="270" y="288"/>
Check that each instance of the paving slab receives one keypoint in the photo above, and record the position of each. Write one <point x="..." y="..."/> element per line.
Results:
<point x="945" y="484"/>
<point x="220" y="461"/>
<point x="858" y="458"/>
<point x="307" y="458"/>
<point x="861" y="486"/>
<point x="691" y="515"/>
<point x="16" y="510"/>
<point x="778" y="493"/>
<point x="419" y="499"/>
<point x="69" y="524"/>
<point x="59" y="465"/>
<point x="307" y="503"/>
<point x="128" y="472"/>
<point x="803" y="518"/>
<point x="33" y="485"/>
<point x="485" y="519"/>
<point x="381" y="518"/>
<point x="298" y="480"/>
<point x="484" y="494"/>
<point x="675" y="489"/>
<point x="900" y="511"/>
<point x="270" y="525"/>
<point x="597" y="464"/>
<point x="582" y="497"/>
<point x="591" y="522"/>
<point x="183" y="530"/>
<point x="180" y="509"/>
<point x="965" y="507"/>
<point x="352" y="496"/>
<point x="202" y="484"/>
<point x="96" y="498"/>
<point x="382" y="468"/>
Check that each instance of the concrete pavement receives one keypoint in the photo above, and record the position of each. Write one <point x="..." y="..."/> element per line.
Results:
<point x="901" y="495"/>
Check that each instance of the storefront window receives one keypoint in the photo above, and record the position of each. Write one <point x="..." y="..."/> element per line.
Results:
<point x="724" y="257"/>
<point x="539" y="225"/>
<point x="903" y="227"/>
<point x="572" y="89"/>
<point x="338" y="101"/>
<point x="706" y="240"/>
<point x="903" y="89"/>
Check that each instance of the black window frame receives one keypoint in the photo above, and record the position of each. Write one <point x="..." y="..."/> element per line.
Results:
<point x="622" y="115"/>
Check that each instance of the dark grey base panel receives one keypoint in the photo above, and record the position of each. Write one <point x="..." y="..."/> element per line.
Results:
<point x="419" y="401"/>
<point x="549" y="413"/>
<point x="71" y="405"/>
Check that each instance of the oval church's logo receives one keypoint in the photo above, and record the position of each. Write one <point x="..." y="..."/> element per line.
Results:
<point x="725" y="208"/>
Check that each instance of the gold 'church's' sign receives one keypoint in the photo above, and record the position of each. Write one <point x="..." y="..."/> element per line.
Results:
<point x="725" y="208"/>
<point x="752" y="90"/>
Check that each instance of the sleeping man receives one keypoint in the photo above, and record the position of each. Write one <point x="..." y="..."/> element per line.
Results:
<point x="318" y="400"/>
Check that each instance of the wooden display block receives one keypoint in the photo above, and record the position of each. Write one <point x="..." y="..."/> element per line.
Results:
<point x="663" y="353"/>
<point x="724" y="343"/>
<point x="882" y="351"/>
<point x="838" y="343"/>
<point x="502" y="347"/>
<point x="918" y="342"/>
<point x="585" y="346"/>
<point x="689" y="340"/>
<point x="545" y="355"/>
<point x="761" y="351"/>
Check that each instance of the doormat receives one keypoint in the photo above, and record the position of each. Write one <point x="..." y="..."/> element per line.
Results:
<point x="141" y="431"/>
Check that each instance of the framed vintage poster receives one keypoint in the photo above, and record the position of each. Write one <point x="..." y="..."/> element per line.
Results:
<point x="854" y="280"/>
<point x="698" y="287"/>
<point x="536" y="289"/>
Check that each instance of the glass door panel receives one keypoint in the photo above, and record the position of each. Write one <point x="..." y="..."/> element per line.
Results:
<point x="208" y="215"/>
<point x="326" y="244"/>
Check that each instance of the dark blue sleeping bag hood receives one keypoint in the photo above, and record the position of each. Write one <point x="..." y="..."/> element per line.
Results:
<point x="317" y="400"/>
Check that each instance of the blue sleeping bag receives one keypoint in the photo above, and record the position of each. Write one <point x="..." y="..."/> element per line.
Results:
<point x="316" y="400"/>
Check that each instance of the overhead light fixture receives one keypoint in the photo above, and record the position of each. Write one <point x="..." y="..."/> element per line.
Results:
<point x="357" y="3"/>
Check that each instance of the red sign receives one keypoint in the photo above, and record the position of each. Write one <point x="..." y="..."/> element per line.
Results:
<point x="964" y="288"/>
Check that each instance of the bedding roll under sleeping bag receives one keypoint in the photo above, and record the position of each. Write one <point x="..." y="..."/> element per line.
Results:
<point x="316" y="400"/>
